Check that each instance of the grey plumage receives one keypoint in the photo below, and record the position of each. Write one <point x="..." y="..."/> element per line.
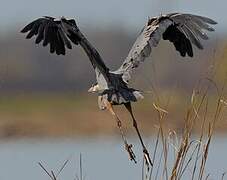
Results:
<point x="182" y="30"/>
<point x="59" y="33"/>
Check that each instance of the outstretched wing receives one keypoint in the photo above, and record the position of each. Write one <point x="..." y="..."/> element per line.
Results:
<point x="182" y="30"/>
<point x="59" y="33"/>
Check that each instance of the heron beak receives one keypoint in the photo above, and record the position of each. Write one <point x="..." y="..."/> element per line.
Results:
<point x="94" y="89"/>
<point x="91" y="89"/>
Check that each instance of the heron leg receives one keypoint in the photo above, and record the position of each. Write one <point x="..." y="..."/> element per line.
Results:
<point x="128" y="147"/>
<point x="145" y="151"/>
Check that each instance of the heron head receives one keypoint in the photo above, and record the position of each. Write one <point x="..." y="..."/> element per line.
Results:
<point x="94" y="88"/>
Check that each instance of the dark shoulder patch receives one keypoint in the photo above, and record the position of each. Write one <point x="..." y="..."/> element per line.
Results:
<point x="180" y="41"/>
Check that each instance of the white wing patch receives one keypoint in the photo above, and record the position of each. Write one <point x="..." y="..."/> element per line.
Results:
<point x="101" y="80"/>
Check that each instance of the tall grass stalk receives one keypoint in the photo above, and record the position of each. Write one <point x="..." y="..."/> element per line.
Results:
<point x="177" y="156"/>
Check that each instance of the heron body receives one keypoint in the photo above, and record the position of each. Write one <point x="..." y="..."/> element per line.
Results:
<point x="182" y="30"/>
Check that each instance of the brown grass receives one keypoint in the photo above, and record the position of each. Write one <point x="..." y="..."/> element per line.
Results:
<point x="184" y="154"/>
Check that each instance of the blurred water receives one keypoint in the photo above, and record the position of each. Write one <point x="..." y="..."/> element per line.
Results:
<point x="102" y="159"/>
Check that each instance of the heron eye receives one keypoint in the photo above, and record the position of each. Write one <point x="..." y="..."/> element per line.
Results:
<point x="94" y="84"/>
<point x="125" y="64"/>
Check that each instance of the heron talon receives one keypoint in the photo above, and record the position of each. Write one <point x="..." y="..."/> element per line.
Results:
<point x="132" y="156"/>
<point x="147" y="158"/>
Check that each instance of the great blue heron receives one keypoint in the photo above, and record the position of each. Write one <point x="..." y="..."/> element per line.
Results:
<point x="182" y="30"/>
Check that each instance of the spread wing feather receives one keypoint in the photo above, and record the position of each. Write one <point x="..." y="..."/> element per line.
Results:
<point x="182" y="30"/>
<point x="50" y="31"/>
<point x="59" y="34"/>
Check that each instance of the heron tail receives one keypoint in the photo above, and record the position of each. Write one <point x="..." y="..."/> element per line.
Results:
<point x="117" y="97"/>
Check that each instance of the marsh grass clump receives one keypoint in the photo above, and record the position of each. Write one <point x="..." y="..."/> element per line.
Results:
<point x="184" y="155"/>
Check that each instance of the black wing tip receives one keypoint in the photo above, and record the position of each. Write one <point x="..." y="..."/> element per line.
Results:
<point x="28" y="37"/>
<point x="57" y="52"/>
<point x="210" y="21"/>
<point x="190" y="53"/>
<point x="187" y="53"/>
<point x="27" y="28"/>
<point x="59" y="45"/>
<point x="213" y="22"/>
<point x="211" y="29"/>
<point x="23" y="30"/>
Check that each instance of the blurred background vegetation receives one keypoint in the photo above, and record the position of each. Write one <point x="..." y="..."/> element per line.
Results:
<point x="47" y="94"/>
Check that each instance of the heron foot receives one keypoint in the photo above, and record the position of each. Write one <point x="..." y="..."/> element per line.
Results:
<point x="147" y="158"/>
<point x="132" y="155"/>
